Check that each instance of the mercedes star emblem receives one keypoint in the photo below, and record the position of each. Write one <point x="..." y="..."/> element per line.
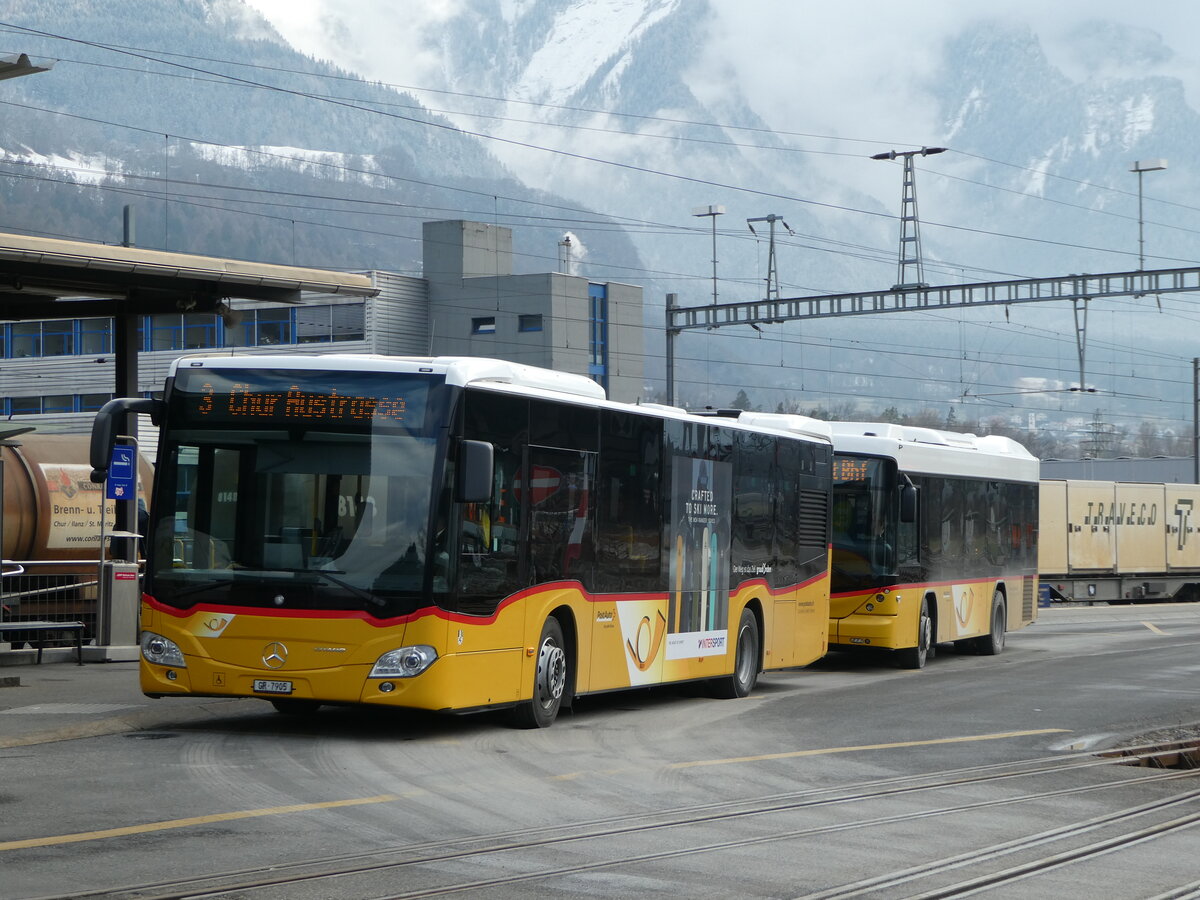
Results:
<point x="275" y="655"/>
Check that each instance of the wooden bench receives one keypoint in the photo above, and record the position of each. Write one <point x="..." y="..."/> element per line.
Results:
<point x="42" y="629"/>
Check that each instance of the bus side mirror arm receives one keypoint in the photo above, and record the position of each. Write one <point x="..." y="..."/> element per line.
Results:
<point x="105" y="424"/>
<point x="474" y="473"/>
<point x="908" y="502"/>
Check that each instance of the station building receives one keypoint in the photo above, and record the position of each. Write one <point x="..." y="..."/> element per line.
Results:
<point x="56" y="373"/>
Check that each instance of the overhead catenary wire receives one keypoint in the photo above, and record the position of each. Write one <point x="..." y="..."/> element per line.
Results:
<point x="943" y="265"/>
<point x="849" y="210"/>
<point x="610" y="113"/>
<point x="872" y="259"/>
<point x="179" y="185"/>
<point x="880" y="349"/>
<point x="536" y="256"/>
<point x="851" y="345"/>
<point x="356" y="105"/>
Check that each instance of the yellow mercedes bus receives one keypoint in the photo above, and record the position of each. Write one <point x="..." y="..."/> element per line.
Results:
<point x="462" y="534"/>
<point x="934" y="540"/>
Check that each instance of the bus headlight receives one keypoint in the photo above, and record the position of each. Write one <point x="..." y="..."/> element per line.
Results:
<point x="404" y="663"/>
<point x="161" y="651"/>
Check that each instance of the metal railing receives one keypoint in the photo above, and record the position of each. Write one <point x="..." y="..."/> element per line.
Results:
<point x="50" y="591"/>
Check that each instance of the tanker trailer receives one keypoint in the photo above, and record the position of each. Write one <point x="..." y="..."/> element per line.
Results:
<point x="51" y="506"/>
<point x="51" y="524"/>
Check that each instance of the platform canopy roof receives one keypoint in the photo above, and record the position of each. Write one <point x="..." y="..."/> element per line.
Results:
<point x="45" y="278"/>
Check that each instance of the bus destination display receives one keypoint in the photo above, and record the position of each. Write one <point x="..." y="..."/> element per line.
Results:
<point x="849" y="468"/>
<point x="241" y="400"/>
<point x="290" y="398"/>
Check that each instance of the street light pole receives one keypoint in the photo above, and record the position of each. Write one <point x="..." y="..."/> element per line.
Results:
<point x="1142" y="166"/>
<point x="712" y="212"/>
<point x="1196" y="420"/>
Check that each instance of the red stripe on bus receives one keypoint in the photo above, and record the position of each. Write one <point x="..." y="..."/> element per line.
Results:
<point x="458" y="618"/>
<point x="911" y="585"/>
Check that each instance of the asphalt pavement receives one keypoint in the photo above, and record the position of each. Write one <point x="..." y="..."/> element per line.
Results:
<point x="60" y="701"/>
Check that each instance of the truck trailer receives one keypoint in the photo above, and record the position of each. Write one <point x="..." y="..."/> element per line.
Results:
<point x="1119" y="541"/>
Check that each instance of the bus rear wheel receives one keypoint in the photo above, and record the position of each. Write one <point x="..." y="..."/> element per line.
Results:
<point x="549" y="680"/>
<point x="745" y="661"/>
<point x="992" y="643"/>
<point x="916" y="657"/>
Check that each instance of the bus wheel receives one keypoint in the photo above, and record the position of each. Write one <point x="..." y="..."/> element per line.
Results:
<point x="549" y="680"/>
<point x="292" y="706"/>
<point x="745" y="661"/>
<point x="993" y="642"/>
<point x="915" y="657"/>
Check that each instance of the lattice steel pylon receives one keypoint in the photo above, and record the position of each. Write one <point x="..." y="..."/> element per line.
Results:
<point x="772" y="271"/>
<point x="910" y="224"/>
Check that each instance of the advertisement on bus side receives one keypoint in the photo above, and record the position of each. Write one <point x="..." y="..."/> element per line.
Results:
<point x="698" y="610"/>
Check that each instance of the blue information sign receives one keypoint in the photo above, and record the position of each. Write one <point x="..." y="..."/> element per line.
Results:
<point x="122" y="473"/>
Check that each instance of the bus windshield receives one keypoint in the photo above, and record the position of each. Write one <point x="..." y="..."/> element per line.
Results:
<point x="308" y="497"/>
<point x="864" y="521"/>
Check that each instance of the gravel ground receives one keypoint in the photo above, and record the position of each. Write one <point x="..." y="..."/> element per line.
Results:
<point x="1177" y="734"/>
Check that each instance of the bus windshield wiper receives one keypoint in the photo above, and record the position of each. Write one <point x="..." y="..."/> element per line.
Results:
<point x="342" y="583"/>
<point x="222" y="584"/>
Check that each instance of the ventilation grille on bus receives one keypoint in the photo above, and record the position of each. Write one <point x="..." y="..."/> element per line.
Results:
<point x="814" y="519"/>
<point x="1027" y="599"/>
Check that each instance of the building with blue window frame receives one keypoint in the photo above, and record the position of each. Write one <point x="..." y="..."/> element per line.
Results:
<point x="478" y="307"/>
<point x="56" y="373"/>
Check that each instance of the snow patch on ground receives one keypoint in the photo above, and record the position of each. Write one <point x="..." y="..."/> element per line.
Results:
<point x="327" y="163"/>
<point x="84" y="168"/>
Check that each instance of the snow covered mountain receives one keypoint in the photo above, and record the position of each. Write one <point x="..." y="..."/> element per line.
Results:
<point x="228" y="141"/>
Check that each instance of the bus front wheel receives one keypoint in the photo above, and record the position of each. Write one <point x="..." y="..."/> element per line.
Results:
<point x="916" y="657"/>
<point x="549" y="680"/>
<point x="745" y="662"/>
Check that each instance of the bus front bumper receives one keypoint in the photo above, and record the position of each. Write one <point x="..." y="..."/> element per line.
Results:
<point x="456" y="681"/>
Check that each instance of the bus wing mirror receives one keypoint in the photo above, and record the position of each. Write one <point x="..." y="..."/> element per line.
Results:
<point x="105" y="425"/>
<point x="908" y="502"/>
<point x="474" y="472"/>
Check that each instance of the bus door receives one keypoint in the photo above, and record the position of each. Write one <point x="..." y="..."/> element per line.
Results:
<point x="560" y="514"/>
<point x="791" y="462"/>
<point x="629" y="608"/>
<point x="557" y="492"/>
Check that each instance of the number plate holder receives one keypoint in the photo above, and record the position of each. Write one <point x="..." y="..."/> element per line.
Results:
<point x="265" y="686"/>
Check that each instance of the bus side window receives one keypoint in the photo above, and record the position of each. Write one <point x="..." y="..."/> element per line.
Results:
<point x="787" y="502"/>
<point x="753" y="519"/>
<point x="629" y="518"/>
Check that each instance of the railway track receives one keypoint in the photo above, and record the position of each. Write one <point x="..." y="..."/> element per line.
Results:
<point x="555" y="853"/>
